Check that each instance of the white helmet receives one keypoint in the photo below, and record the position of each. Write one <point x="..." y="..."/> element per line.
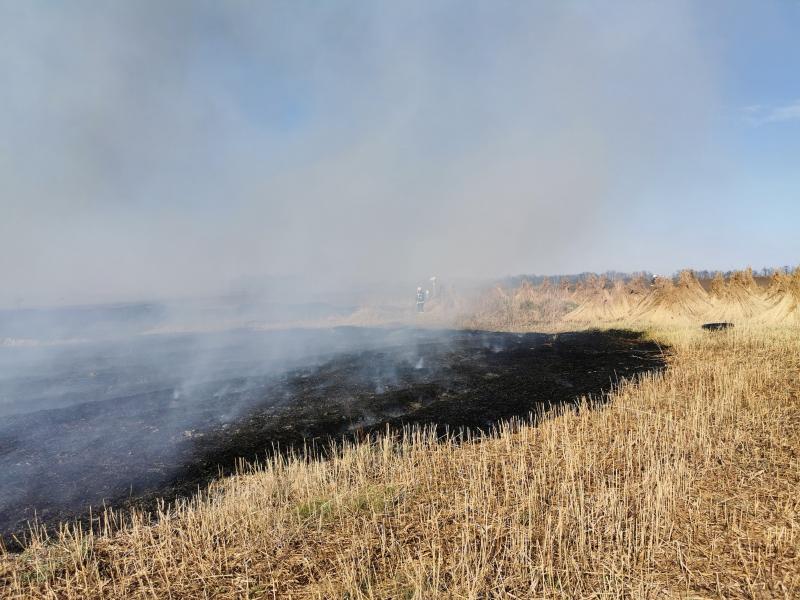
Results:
<point x="419" y="289"/>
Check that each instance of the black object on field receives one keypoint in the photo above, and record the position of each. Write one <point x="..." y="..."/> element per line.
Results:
<point x="717" y="326"/>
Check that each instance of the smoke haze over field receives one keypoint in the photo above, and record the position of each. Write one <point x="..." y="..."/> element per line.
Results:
<point x="188" y="188"/>
<point x="161" y="149"/>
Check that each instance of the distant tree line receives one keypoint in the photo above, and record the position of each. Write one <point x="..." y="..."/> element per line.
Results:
<point x="574" y="278"/>
<point x="763" y="272"/>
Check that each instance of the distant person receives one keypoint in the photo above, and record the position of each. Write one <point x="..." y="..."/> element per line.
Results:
<point x="421" y="297"/>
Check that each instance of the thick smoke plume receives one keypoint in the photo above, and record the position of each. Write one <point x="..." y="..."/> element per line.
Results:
<point x="154" y="149"/>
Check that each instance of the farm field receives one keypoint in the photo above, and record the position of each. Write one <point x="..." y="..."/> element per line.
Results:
<point x="399" y="301"/>
<point x="684" y="484"/>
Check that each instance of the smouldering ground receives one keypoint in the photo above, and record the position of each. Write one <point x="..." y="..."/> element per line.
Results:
<point x="133" y="449"/>
<point x="687" y="484"/>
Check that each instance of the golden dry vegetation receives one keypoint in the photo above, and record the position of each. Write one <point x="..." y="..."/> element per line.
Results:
<point x="662" y="302"/>
<point x="685" y="485"/>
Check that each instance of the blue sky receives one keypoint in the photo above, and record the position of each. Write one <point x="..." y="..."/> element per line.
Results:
<point x="158" y="149"/>
<point x="747" y="191"/>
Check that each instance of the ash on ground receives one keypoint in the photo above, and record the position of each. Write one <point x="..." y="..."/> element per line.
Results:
<point x="164" y="438"/>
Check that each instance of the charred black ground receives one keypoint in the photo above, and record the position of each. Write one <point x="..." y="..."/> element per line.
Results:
<point x="130" y="450"/>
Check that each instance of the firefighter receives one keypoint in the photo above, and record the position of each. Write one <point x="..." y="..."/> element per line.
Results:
<point x="420" y="300"/>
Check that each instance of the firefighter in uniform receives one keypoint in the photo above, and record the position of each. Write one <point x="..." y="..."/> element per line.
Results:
<point x="420" y="300"/>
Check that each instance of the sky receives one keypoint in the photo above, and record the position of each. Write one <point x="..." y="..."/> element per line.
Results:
<point x="182" y="149"/>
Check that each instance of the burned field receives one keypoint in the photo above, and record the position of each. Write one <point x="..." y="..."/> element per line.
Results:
<point x="168" y="437"/>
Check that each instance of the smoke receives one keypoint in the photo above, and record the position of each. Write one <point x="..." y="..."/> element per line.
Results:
<point x="156" y="150"/>
<point x="280" y="152"/>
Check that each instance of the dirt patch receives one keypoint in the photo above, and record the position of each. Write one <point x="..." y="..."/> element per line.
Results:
<point x="132" y="450"/>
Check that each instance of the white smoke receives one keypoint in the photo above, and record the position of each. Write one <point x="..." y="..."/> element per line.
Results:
<point x="157" y="149"/>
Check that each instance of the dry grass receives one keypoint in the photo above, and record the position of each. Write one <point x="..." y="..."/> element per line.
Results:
<point x="686" y="485"/>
